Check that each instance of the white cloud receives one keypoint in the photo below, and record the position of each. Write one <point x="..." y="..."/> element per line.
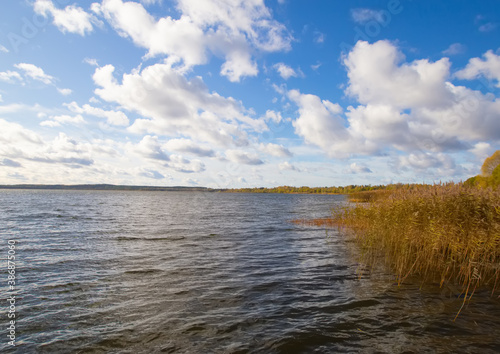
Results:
<point x="3" y="49"/>
<point x="21" y="143"/>
<point x="285" y="71"/>
<point x="482" y="150"/>
<point x="173" y="105"/>
<point x="404" y="107"/>
<point x="363" y="16"/>
<point x="151" y="148"/>
<point x="1" y="99"/>
<point x="188" y="146"/>
<point x="355" y="168"/>
<point x="10" y="76"/>
<point x="273" y="116"/>
<point x="454" y="49"/>
<point x="50" y="123"/>
<point x="488" y="67"/>
<point x="275" y="150"/>
<point x="487" y="27"/>
<point x="238" y="64"/>
<point x="91" y="61"/>
<point x="231" y="29"/>
<point x="183" y="165"/>
<point x="425" y="161"/>
<point x="150" y="174"/>
<point x="321" y="123"/>
<point x="316" y="66"/>
<point x="13" y="108"/>
<point x="377" y="76"/>
<point x="319" y="37"/>
<point x="112" y="117"/>
<point x="35" y="73"/>
<point x="16" y="133"/>
<point x="64" y="150"/>
<point x="71" y="19"/>
<point x="56" y="121"/>
<point x="243" y="157"/>
<point x="287" y="166"/>
<point x="65" y="91"/>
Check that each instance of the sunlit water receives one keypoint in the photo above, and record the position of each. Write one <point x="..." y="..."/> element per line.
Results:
<point x="181" y="272"/>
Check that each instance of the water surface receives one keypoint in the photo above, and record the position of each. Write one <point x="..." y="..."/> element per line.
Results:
<point x="187" y="272"/>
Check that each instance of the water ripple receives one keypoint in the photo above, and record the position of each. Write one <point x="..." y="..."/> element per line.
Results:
<point x="147" y="272"/>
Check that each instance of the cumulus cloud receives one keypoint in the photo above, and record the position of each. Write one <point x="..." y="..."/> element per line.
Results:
<point x="287" y="166"/>
<point x="35" y="73"/>
<point x="355" y="168"/>
<point x="231" y="29"/>
<point x="285" y="71"/>
<point x="189" y="147"/>
<point x="173" y="105"/>
<point x="488" y="67"/>
<point x="273" y="116"/>
<point x="403" y="107"/>
<point x="65" y="91"/>
<point x="243" y="157"/>
<point x="425" y="161"/>
<point x="61" y="150"/>
<point x="151" y="148"/>
<point x="183" y="165"/>
<point x="112" y="117"/>
<point x="72" y="19"/>
<point x="320" y="122"/>
<point x="151" y="174"/>
<point x="10" y="76"/>
<point x="275" y="150"/>
<point x="56" y="121"/>
<point x="14" y="132"/>
<point x="378" y="75"/>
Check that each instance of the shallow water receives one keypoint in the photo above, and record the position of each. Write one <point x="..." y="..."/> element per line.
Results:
<point x="186" y="272"/>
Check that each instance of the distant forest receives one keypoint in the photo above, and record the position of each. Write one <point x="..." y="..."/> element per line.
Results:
<point x="105" y="187"/>
<point x="317" y="190"/>
<point x="281" y="189"/>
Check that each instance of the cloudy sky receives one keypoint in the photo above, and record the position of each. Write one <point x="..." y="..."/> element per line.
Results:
<point x="237" y="93"/>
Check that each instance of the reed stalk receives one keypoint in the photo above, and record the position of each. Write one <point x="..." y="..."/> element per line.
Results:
<point x="446" y="232"/>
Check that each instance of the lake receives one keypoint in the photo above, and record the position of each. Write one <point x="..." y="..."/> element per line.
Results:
<point x="197" y="272"/>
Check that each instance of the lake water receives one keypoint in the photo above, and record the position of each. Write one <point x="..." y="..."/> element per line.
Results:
<point x="187" y="272"/>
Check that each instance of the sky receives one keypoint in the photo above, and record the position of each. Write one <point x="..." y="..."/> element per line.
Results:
<point x="254" y="93"/>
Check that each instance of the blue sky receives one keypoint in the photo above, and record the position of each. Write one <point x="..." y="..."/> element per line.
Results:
<point x="233" y="93"/>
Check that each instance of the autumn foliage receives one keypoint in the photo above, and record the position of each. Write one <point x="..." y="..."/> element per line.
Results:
<point x="490" y="173"/>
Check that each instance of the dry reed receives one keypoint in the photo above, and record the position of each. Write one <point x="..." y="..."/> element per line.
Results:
<point x="447" y="232"/>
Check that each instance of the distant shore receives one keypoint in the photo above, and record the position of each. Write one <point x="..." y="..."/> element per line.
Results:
<point x="275" y="190"/>
<point x="106" y="187"/>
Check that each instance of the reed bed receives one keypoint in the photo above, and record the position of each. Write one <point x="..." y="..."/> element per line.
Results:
<point x="368" y="196"/>
<point x="447" y="232"/>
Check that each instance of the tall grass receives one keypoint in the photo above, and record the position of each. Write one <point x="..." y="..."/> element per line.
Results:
<point x="448" y="232"/>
